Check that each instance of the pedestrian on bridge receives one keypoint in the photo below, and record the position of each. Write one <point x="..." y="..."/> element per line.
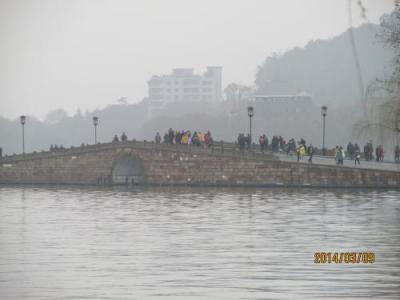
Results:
<point x="248" y="141"/>
<point x="301" y="151"/>
<point x="158" y="138"/>
<point x="339" y="155"/>
<point x="124" y="138"/>
<point x="357" y="156"/>
<point x="263" y="142"/>
<point x="241" y="141"/>
<point x="310" y="151"/>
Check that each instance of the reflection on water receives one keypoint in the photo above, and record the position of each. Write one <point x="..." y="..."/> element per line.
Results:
<point x="116" y="243"/>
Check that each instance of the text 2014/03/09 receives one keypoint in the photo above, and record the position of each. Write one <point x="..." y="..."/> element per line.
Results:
<point x="344" y="257"/>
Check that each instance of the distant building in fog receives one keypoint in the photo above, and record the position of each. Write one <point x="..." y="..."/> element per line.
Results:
<point x="184" y="86"/>
<point x="284" y="104"/>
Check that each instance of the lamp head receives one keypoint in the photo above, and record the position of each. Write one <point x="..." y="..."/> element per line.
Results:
<point x="250" y="111"/>
<point x="324" y="110"/>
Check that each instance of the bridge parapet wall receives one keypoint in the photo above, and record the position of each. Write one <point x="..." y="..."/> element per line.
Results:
<point x="219" y="149"/>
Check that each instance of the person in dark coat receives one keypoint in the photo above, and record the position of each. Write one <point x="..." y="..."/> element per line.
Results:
<point x="310" y="152"/>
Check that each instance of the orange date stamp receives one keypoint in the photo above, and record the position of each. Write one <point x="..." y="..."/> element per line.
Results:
<point x="344" y="257"/>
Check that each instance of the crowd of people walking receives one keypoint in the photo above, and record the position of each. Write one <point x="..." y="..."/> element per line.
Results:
<point x="244" y="141"/>
<point x="368" y="151"/>
<point x="352" y="152"/>
<point x="185" y="137"/>
<point x="279" y="144"/>
<point x="124" y="138"/>
<point x="55" y="148"/>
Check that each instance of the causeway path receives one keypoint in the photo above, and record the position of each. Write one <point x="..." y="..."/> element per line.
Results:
<point x="329" y="160"/>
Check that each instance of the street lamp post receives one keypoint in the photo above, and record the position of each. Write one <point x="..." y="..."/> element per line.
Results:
<point x="95" y="123"/>
<point x="324" y="110"/>
<point x="22" y="119"/>
<point x="250" y="112"/>
<point x="397" y="126"/>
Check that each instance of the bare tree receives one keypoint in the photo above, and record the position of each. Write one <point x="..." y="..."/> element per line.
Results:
<point x="390" y="35"/>
<point x="383" y="95"/>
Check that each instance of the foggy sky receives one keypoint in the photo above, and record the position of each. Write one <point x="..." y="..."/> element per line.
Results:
<point x="88" y="53"/>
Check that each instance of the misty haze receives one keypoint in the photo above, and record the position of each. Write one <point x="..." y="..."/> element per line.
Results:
<point x="65" y="63"/>
<point x="214" y="149"/>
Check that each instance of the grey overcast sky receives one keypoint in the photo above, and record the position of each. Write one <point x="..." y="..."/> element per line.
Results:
<point x="88" y="53"/>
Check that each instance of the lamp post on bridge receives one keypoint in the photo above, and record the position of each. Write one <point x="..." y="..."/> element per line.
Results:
<point x="95" y="123"/>
<point x="397" y="126"/>
<point x="324" y="111"/>
<point x="250" y="113"/>
<point x="22" y="120"/>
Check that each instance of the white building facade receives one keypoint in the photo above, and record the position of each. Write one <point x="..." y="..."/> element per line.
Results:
<point x="183" y="85"/>
<point x="278" y="105"/>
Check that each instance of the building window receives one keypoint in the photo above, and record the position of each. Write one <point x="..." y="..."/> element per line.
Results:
<point x="155" y="90"/>
<point x="190" y="90"/>
<point x="191" y="82"/>
<point x="155" y="82"/>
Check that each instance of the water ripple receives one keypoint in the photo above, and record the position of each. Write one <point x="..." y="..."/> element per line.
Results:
<point x="119" y="243"/>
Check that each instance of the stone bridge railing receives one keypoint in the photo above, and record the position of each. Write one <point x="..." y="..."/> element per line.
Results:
<point x="219" y="148"/>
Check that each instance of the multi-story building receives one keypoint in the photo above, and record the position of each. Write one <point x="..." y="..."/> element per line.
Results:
<point x="184" y="85"/>
<point x="278" y="105"/>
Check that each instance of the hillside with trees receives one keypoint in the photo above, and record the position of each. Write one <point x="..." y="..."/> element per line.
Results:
<point x="326" y="68"/>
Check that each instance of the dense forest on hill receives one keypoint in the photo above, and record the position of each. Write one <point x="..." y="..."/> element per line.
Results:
<point x="326" y="68"/>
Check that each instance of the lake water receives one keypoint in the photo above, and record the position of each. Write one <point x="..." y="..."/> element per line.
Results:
<point x="165" y="243"/>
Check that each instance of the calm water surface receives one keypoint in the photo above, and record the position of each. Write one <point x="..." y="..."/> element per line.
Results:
<point x="116" y="243"/>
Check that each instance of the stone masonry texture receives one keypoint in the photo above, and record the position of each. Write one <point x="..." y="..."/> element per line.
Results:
<point x="165" y="166"/>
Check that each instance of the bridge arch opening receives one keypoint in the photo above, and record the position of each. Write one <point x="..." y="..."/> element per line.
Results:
<point x="128" y="169"/>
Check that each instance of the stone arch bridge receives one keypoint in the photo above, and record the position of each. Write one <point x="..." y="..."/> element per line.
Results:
<point x="141" y="162"/>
